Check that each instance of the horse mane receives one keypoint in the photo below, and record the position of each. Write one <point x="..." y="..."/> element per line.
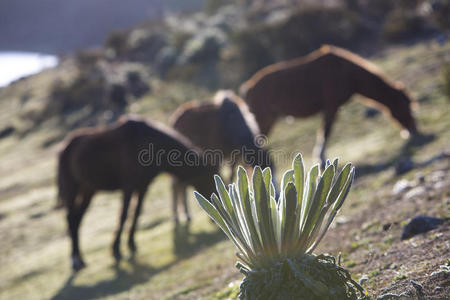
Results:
<point x="168" y="131"/>
<point x="128" y="120"/>
<point x="228" y="95"/>
<point x="244" y="88"/>
<point x="352" y="57"/>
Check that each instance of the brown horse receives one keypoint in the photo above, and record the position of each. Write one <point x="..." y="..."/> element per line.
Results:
<point x="225" y="129"/>
<point x="125" y="156"/>
<point x="321" y="82"/>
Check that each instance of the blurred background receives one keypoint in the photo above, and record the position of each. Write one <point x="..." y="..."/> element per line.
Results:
<point x="70" y="64"/>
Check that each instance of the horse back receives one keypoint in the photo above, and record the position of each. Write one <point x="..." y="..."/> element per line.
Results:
<point x="302" y="87"/>
<point x="108" y="159"/>
<point x="199" y="123"/>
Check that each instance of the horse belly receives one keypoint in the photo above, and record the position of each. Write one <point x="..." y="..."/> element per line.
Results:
<point x="97" y="169"/>
<point x="299" y="106"/>
<point x="99" y="177"/>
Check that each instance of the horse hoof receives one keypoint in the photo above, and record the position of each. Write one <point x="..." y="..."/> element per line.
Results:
<point x="77" y="264"/>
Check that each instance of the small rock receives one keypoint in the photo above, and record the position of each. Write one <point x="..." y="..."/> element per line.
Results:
<point x="440" y="185"/>
<point x="439" y="273"/>
<point x="438" y="289"/>
<point x="363" y="279"/>
<point x="416" y="192"/>
<point x="389" y="297"/>
<point x="387" y="226"/>
<point x="438" y="176"/>
<point x="5" y="132"/>
<point x="401" y="186"/>
<point x="420" y="178"/>
<point x="341" y="220"/>
<point x="418" y="287"/>
<point x="420" y="224"/>
<point x="423" y="98"/>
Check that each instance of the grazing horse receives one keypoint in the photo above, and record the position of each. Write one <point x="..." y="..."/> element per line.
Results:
<point x="125" y="156"/>
<point x="321" y="82"/>
<point x="222" y="127"/>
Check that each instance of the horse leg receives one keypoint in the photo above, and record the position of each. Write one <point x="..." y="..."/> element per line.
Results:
<point x="75" y="216"/>
<point x="72" y="221"/>
<point x="175" y="195"/>
<point x="125" y="204"/>
<point x="137" y="212"/>
<point x="185" y="204"/>
<point x="322" y="137"/>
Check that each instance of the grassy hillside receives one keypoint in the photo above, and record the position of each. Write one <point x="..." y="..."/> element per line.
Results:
<point x="196" y="262"/>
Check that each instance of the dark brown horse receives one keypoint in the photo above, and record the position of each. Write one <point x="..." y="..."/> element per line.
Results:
<point x="126" y="156"/>
<point x="225" y="129"/>
<point x="321" y="82"/>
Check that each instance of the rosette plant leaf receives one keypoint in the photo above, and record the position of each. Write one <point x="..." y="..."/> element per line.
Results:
<point x="276" y="238"/>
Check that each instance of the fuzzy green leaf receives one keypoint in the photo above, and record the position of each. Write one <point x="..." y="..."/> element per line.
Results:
<point x="244" y="197"/>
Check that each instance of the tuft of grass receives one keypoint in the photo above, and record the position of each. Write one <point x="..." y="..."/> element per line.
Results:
<point x="400" y="277"/>
<point x="230" y="292"/>
<point x="350" y="263"/>
<point x="373" y="273"/>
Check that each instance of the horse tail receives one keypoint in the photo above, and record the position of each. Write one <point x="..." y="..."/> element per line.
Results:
<point x="67" y="186"/>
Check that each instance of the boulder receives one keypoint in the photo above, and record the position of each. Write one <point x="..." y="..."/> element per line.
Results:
<point x="420" y="224"/>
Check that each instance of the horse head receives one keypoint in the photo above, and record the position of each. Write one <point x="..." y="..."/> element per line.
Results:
<point x="401" y="110"/>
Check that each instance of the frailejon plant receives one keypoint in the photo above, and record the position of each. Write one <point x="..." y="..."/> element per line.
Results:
<point x="276" y="238"/>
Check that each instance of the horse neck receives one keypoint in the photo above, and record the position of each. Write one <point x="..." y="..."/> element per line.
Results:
<point x="265" y="119"/>
<point x="373" y="86"/>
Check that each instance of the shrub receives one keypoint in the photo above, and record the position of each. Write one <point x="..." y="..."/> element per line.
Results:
<point x="212" y="6"/>
<point x="441" y="13"/>
<point x="203" y="47"/>
<point x="136" y="85"/>
<point x="379" y="8"/>
<point x="86" y="59"/>
<point x="301" y="33"/>
<point x="275" y="240"/>
<point x="308" y="29"/>
<point x="165" y="60"/>
<point x="401" y="25"/>
<point x="179" y="38"/>
<point x="117" y="42"/>
<point x="251" y="49"/>
<point x="83" y="91"/>
<point x="144" y="46"/>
